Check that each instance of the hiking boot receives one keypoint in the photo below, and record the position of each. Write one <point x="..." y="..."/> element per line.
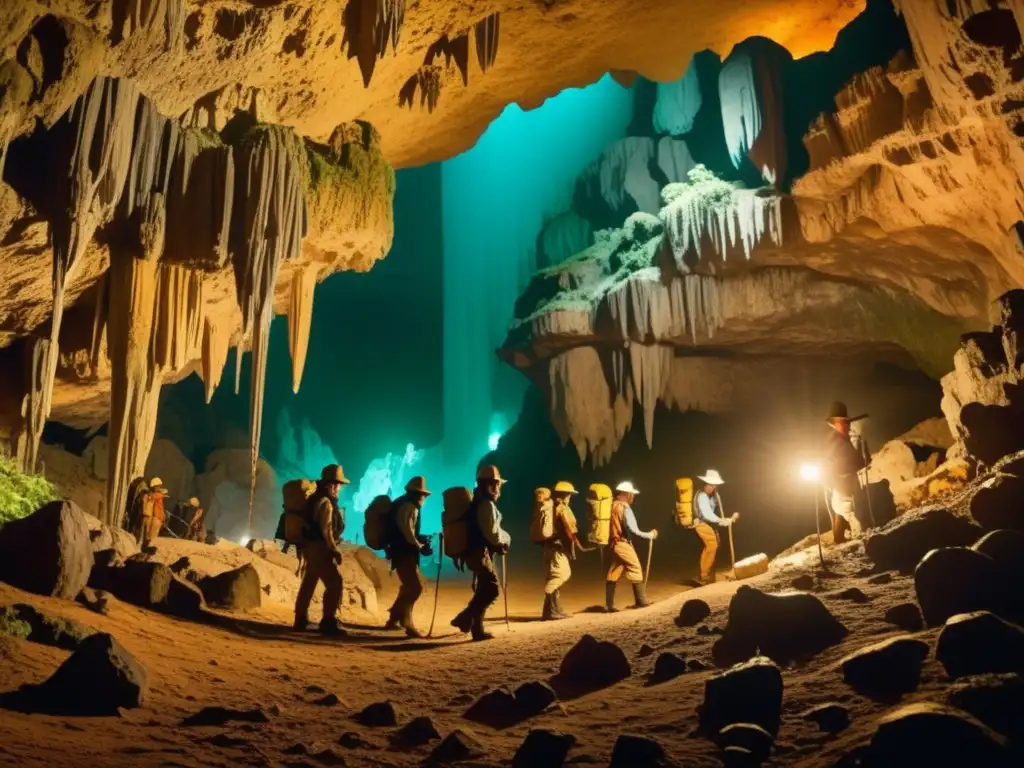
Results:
<point x="479" y="634"/>
<point x="331" y="628"/>
<point x="413" y="634"/>
<point x="302" y="625"/>
<point x="463" y="622"/>
<point x="548" y="613"/>
<point x="556" y="605"/>
<point x="639" y="596"/>
<point x="609" y="597"/>
<point x="393" y="625"/>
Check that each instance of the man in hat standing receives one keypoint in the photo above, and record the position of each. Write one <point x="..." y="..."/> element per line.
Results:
<point x="153" y="513"/>
<point x="706" y="514"/>
<point x="843" y="462"/>
<point x="321" y="554"/>
<point x="559" y="532"/>
<point x="624" y="558"/>
<point x="405" y="545"/>
<point x="486" y="537"/>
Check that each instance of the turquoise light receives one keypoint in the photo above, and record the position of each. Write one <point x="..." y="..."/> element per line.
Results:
<point x="493" y="440"/>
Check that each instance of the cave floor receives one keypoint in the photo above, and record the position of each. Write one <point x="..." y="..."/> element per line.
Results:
<point x="257" y="661"/>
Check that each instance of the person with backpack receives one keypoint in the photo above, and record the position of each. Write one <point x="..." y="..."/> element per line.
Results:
<point x="404" y="546"/>
<point x="320" y="553"/>
<point x="557" y="534"/>
<point x="153" y="513"/>
<point x="706" y="507"/>
<point x="485" y="538"/>
<point x="624" y="558"/>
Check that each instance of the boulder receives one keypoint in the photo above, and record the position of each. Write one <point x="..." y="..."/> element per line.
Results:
<point x="785" y="628"/>
<point x="753" y="739"/>
<point x="880" y="579"/>
<point x="105" y="537"/>
<point x="999" y="503"/>
<point x="906" y="616"/>
<point x="417" y="732"/>
<point x="534" y="697"/>
<point x="886" y="669"/>
<point x="668" y="666"/>
<point x="380" y="714"/>
<point x="994" y="431"/>
<point x="460" y="744"/>
<point x="496" y="708"/>
<point x="236" y="590"/>
<point x="956" y="580"/>
<point x="636" y="752"/>
<point x="996" y="700"/>
<point x="693" y="613"/>
<point x="1006" y="548"/>
<point x="645" y="651"/>
<point x="95" y="600"/>
<point x="327" y="700"/>
<point x="803" y="582"/>
<point x="149" y="585"/>
<point x="48" y="552"/>
<point x="853" y="594"/>
<point x="831" y="717"/>
<point x="902" y="543"/>
<point x="97" y="680"/>
<point x="592" y="664"/>
<point x="66" y="634"/>
<point x="747" y="693"/>
<point x="980" y="642"/>
<point x="543" y="749"/>
<point x="935" y="734"/>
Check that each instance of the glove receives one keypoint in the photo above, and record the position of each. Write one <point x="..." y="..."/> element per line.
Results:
<point x="654" y="533"/>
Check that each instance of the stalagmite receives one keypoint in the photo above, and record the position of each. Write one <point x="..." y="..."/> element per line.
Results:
<point x="487" y="41"/>
<point x="33" y="418"/>
<point x="135" y="380"/>
<point x="678" y="103"/>
<point x="269" y="224"/>
<point x="215" y="355"/>
<point x="300" y="319"/>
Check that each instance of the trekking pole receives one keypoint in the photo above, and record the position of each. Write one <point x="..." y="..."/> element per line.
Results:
<point x="437" y="585"/>
<point x="866" y="455"/>
<point x="650" y="551"/>
<point x="504" y="587"/>
<point x="732" y="550"/>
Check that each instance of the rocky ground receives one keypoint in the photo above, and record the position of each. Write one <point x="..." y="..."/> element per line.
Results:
<point x="300" y="700"/>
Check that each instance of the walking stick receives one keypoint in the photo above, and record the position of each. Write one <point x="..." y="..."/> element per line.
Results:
<point x="650" y="551"/>
<point x="732" y="550"/>
<point x="866" y="456"/>
<point x="437" y="585"/>
<point x="504" y="587"/>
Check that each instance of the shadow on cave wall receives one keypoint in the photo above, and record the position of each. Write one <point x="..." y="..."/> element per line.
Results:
<point x="758" y="450"/>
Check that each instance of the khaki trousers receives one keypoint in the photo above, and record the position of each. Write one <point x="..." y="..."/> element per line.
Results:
<point x="407" y="566"/>
<point x="320" y="567"/>
<point x="559" y="570"/>
<point x="625" y="560"/>
<point x="844" y="517"/>
<point x="709" y="538"/>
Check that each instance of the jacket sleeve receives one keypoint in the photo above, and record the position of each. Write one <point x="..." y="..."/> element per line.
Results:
<point x="547" y="527"/>
<point x="322" y="516"/>
<point x="489" y="520"/>
<point x="707" y="514"/>
<point x="407" y="514"/>
<point x="631" y="525"/>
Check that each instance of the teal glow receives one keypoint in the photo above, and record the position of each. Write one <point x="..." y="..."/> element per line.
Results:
<point x="495" y="198"/>
<point x="493" y="440"/>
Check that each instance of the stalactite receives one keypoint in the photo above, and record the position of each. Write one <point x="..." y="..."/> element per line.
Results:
<point x="741" y="114"/>
<point x="33" y="417"/>
<point x="678" y="103"/>
<point x="135" y="381"/>
<point x="15" y="92"/>
<point x="622" y="176"/>
<point x="428" y="80"/>
<point x="451" y="48"/>
<point x="215" y="356"/>
<point x="650" y="365"/>
<point x="674" y="159"/>
<point x="300" y="319"/>
<point x="131" y="17"/>
<point x="486" y="33"/>
<point x="269" y="224"/>
<point x="99" y="322"/>
<point x="179" y="318"/>
<point x="369" y="26"/>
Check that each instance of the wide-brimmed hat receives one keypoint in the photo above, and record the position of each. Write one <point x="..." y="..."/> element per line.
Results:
<point x="564" y="486"/>
<point x="333" y="473"/>
<point x="626" y="487"/>
<point x="194" y="502"/>
<point x="711" y="477"/>
<point x="418" y="485"/>
<point x="837" y="412"/>
<point x="489" y="472"/>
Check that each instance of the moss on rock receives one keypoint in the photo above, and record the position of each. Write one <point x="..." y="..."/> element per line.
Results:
<point x="21" y="494"/>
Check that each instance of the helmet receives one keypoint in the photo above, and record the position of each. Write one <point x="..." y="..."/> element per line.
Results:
<point x="564" y="486"/>
<point x="156" y="481"/>
<point x="489" y="472"/>
<point x="626" y="487"/>
<point x="194" y="502"/>
<point x="333" y="473"/>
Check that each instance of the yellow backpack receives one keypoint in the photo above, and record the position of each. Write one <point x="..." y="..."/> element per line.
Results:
<point x="454" y="521"/>
<point x="684" y="502"/>
<point x="294" y="521"/>
<point x="599" y="500"/>
<point x="543" y="510"/>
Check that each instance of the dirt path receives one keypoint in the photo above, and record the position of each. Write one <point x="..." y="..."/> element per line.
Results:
<point x="258" y="661"/>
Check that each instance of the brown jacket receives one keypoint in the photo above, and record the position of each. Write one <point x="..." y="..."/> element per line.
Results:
<point x="617" y="524"/>
<point x="842" y="462"/>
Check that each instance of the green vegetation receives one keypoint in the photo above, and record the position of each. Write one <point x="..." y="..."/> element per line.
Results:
<point x="703" y="188"/>
<point x="21" y="494"/>
<point x="12" y="626"/>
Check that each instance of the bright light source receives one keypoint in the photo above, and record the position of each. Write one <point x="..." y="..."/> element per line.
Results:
<point x="243" y="541"/>
<point x="493" y="440"/>
<point x="810" y="473"/>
